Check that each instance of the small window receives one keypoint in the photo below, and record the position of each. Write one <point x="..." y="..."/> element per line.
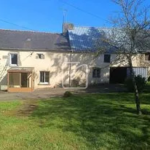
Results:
<point x="40" y="56"/>
<point x="13" y="59"/>
<point x="96" y="72"/>
<point x="44" y="77"/>
<point x="107" y="58"/>
<point x="147" y="57"/>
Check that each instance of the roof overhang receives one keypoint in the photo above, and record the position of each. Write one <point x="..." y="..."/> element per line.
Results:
<point x="20" y="70"/>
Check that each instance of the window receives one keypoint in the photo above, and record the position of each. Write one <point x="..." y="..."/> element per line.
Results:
<point x="147" y="57"/>
<point x="96" y="72"/>
<point x="44" y="77"/>
<point x="13" y="59"/>
<point x="40" y="56"/>
<point x="107" y="58"/>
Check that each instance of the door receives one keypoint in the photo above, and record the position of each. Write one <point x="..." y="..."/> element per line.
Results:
<point x="118" y="74"/>
<point x="24" y="80"/>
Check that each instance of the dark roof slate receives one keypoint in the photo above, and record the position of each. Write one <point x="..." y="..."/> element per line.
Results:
<point x="30" y="40"/>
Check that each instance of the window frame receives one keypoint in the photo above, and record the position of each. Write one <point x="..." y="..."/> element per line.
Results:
<point x="96" y="75"/>
<point x="148" y="60"/>
<point x="106" y="58"/>
<point x="10" y="59"/>
<point x="44" y="83"/>
<point x="38" y="54"/>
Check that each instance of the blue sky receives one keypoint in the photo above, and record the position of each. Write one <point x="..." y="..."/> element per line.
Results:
<point x="46" y="15"/>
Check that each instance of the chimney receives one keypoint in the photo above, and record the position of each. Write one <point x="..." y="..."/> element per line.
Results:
<point x="67" y="26"/>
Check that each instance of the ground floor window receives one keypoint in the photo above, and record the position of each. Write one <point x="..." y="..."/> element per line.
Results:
<point x="19" y="80"/>
<point x="44" y="77"/>
<point x="96" y="72"/>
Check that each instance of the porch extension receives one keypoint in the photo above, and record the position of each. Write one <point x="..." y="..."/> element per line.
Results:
<point x="20" y="79"/>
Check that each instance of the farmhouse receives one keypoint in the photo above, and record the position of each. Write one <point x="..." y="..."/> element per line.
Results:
<point x="31" y="60"/>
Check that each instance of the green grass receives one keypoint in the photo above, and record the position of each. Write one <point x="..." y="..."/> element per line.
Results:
<point x="83" y="122"/>
<point x="147" y="87"/>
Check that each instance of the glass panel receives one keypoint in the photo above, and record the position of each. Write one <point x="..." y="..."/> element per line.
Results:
<point x="14" y="59"/>
<point x="96" y="73"/>
<point x="40" y="56"/>
<point x="46" y="76"/>
<point x="41" y="76"/>
<point x="24" y="80"/>
<point x="14" y="80"/>
<point x="147" y="57"/>
<point x="107" y="58"/>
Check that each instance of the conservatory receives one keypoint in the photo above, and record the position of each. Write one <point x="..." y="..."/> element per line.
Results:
<point x="20" y="79"/>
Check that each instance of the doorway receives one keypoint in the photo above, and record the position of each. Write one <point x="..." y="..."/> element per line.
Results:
<point x="24" y="80"/>
<point x="118" y="74"/>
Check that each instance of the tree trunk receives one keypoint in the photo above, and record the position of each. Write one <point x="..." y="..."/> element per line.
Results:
<point x="136" y="92"/>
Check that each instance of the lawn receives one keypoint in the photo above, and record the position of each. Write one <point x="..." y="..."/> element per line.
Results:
<point x="81" y="122"/>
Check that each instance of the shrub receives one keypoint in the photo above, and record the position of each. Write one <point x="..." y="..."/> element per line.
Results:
<point x="149" y="78"/>
<point x="67" y="94"/>
<point x="140" y="81"/>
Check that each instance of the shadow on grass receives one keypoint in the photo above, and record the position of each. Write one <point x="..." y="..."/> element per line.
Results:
<point x="105" y="121"/>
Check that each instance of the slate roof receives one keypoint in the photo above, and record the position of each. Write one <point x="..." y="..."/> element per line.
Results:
<point x="91" y="39"/>
<point x="85" y="38"/>
<point x="28" y="40"/>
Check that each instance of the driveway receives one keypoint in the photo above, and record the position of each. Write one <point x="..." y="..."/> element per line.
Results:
<point x="53" y="92"/>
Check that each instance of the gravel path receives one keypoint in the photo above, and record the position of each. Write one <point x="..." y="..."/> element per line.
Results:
<point x="53" y="92"/>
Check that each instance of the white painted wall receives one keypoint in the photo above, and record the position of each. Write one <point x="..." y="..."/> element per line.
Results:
<point x="55" y="63"/>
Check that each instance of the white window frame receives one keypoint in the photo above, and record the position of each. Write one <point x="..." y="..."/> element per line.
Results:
<point x="40" y="54"/>
<point x="10" y="61"/>
<point x="96" y="73"/>
<point x="44" y="77"/>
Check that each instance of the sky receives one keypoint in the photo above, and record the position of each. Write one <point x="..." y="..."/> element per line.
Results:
<point x="47" y="15"/>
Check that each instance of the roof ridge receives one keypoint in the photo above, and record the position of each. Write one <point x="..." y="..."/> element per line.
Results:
<point x="92" y="27"/>
<point x="30" y="31"/>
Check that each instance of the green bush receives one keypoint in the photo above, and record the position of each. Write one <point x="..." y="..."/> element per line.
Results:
<point x="149" y="78"/>
<point x="140" y="81"/>
<point x="67" y="94"/>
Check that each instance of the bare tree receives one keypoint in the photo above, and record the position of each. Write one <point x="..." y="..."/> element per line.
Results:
<point x="130" y="35"/>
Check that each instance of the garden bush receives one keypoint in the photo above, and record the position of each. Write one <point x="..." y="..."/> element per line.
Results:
<point x="140" y="81"/>
<point x="67" y="94"/>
